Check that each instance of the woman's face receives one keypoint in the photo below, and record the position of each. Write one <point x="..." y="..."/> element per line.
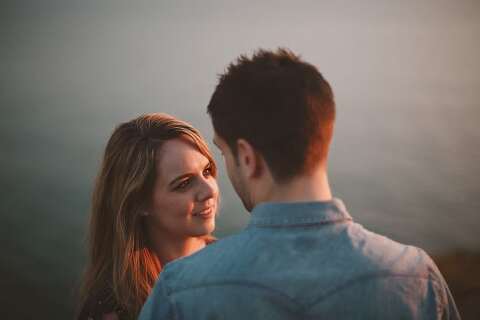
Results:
<point x="185" y="193"/>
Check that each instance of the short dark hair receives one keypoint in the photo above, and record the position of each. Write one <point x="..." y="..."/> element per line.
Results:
<point x="278" y="103"/>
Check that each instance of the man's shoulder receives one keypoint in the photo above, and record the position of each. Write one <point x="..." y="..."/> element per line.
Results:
<point x="382" y="276"/>
<point x="208" y="264"/>
<point x="383" y="255"/>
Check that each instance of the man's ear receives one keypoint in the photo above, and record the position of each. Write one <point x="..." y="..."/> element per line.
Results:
<point x="249" y="160"/>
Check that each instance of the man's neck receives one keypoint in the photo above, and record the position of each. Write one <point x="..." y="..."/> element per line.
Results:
<point x="314" y="187"/>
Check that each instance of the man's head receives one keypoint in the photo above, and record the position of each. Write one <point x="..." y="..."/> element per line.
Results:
<point x="278" y="106"/>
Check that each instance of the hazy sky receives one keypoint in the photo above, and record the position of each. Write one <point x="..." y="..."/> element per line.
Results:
<point x="406" y="75"/>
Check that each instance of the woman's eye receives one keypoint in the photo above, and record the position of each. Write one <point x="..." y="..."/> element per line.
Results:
<point x="207" y="172"/>
<point x="183" y="184"/>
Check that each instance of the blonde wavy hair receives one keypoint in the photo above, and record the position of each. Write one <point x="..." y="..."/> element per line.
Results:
<point x="119" y="255"/>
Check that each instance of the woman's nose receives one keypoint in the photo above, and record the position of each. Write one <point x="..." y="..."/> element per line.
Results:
<point x="208" y="189"/>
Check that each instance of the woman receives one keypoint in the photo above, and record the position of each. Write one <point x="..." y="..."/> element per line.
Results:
<point x="154" y="200"/>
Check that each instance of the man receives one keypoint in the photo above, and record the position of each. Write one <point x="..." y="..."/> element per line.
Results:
<point x="301" y="255"/>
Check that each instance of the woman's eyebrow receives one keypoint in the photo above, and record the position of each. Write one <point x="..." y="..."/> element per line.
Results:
<point x="183" y="176"/>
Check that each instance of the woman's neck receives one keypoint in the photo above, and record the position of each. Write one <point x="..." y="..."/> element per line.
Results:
<point x="170" y="249"/>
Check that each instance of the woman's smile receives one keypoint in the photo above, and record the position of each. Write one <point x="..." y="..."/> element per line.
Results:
<point x="206" y="213"/>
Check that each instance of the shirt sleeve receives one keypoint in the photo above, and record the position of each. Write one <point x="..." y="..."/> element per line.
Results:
<point x="158" y="305"/>
<point x="447" y="306"/>
<point x="389" y="297"/>
<point x="450" y="311"/>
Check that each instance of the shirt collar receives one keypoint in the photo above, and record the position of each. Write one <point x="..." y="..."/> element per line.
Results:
<point x="278" y="214"/>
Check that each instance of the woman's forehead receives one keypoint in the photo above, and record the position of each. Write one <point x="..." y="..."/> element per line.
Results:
<point x="179" y="156"/>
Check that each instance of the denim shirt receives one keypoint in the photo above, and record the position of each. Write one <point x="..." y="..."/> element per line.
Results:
<point x="305" y="260"/>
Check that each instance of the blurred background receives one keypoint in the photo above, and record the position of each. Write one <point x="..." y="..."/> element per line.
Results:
<point x="406" y="152"/>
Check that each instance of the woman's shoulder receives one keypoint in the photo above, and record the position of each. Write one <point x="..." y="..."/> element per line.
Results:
<point x="101" y="305"/>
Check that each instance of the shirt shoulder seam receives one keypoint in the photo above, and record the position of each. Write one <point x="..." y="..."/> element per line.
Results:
<point x="355" y="281"/>
<point x="242" y="283"/>
<point x="267" y="225"/>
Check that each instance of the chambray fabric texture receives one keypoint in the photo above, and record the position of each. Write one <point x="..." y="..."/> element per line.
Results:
<point x="305" y="260"/>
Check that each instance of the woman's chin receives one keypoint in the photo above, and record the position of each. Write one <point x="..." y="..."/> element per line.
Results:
<point x="204" y="228"/>
<point x="209" y="226"/>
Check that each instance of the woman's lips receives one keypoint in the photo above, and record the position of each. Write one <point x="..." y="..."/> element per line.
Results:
<point x="205" y="213"/>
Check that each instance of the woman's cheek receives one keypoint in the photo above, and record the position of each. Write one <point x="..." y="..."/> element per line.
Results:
<point x="185" y="204"/>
